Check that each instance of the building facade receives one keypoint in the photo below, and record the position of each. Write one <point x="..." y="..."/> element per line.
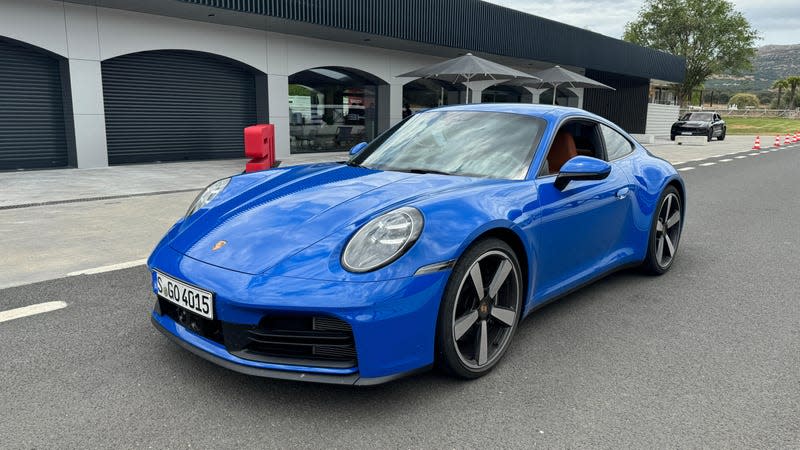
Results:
<point x="93" y="83"/>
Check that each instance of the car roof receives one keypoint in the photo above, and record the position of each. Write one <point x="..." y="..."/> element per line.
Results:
<point x="528" y="109"/>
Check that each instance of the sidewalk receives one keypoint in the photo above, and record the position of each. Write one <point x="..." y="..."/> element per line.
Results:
<point x="59" y="185"/>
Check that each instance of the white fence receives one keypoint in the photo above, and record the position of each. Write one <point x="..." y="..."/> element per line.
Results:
<point x="660" y="118"/>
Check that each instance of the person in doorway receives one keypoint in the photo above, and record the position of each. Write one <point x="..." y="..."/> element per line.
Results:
<point x="407" y="110"/>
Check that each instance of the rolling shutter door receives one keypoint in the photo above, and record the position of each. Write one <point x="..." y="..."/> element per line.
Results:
<point x="176" y="105"/>
<point x="32" y="133"/>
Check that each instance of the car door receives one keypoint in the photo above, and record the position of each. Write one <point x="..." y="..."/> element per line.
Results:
<point x="579" y="227"/>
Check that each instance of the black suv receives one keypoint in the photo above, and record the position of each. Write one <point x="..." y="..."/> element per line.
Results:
<point x="700" y="123"/>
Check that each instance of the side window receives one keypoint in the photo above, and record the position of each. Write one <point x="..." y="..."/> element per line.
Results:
<point x="616" y="145"/>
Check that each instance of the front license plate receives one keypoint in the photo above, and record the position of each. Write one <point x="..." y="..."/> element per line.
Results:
<point x="687" y="133"/>
<point x="188" y="297"/>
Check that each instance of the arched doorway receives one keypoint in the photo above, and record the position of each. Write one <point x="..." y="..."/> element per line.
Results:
<point x="32" y="117"/>
<point x="426" y="93"/>
<point x="505" y="94"/>
<point x="565" y="97"/>
<point x="175" y="105"/>
<point x="332" y="108"/>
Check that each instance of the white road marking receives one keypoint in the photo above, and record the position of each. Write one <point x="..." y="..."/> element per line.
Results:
<point x="31" y="310"/>
<point x="726" y="160"/>
<point x="125" y="265"/>
<point x="678" y="163"/>
<point x="707" y="164"/>
<point x="752" y="154"/>
<point x="684" y="169"/>
<point x="740" y="157"/>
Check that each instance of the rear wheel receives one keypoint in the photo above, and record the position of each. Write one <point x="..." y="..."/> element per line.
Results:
<point x="665" y="233"/>
<point x="480" y="309"/>
<point x="722" y="136"/>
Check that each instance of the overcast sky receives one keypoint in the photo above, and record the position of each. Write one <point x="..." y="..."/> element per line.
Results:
<point x="777" y="21"/>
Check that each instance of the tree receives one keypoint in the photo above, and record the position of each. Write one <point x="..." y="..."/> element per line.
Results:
<point x="742" y="100"/>
<point x="780" y="85"/>
<point x="710" y="34"/>
<point x="793" y="82"/>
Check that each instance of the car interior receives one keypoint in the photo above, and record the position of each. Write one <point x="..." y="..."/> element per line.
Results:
<point x="574" y="138"/>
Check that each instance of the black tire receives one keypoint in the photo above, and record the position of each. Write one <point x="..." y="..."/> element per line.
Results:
<point x="710" y="134"/>
<point x="655" y="262"/>
<point x="671" y="137"/>
<point x="492" y="318"/>
<point x="722" y="136"/>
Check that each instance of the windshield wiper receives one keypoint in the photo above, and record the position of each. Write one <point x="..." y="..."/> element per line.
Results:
<point x="436" y="172"/>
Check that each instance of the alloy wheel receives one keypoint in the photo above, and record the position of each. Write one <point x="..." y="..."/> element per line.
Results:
<point x="485" y="315"/>
<point x="668" y="229"/>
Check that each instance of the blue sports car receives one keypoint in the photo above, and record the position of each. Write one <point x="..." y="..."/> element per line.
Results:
<point x="427" y="247"/>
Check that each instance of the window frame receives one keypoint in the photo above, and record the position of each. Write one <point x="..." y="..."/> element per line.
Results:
<point x="605" y="145"/>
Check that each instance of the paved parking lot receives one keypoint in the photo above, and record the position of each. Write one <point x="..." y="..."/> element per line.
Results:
<point x="109" y="231"/>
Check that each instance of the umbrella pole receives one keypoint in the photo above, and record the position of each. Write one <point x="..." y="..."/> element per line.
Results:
<point x="555" y="92"/>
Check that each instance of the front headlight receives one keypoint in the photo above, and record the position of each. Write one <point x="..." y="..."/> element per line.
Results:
<point x="382" y="240"/>
<point x="207" y="195"/>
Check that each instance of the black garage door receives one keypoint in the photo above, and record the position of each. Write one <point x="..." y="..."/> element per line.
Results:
<point x="176" y="105"/>
<point x="32" y="133"/>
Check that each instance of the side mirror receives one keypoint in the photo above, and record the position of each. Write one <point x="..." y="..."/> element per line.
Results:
<point x="582" y="168"/>
<point x="357" y="148"/>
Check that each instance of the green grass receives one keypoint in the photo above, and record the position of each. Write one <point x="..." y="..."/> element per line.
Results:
<point x="764" y="126"/>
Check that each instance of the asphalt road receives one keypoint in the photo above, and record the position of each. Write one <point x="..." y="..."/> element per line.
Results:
<point x="705" y="356"/>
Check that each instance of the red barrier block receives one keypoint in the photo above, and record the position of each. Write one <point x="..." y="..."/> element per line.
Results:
<point x="259" y="145"/>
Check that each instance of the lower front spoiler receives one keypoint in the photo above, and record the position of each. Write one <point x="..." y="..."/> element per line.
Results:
<point x="353" y="379"/>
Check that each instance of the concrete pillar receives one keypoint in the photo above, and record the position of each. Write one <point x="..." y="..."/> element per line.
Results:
<point x="477" y="88"/>
<point x="86" y="86"/>
<point x="278" y="93"/>
<point x="278" y="107"/>
<point x="535" y="93"/>
<point x="395" y="104"/>
<point x="579" y="93"/>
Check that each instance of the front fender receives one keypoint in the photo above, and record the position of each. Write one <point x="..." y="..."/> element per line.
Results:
<point x="451" y="225"/>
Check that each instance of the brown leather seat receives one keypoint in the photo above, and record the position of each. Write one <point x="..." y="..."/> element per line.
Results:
<point x="562" y="150"/>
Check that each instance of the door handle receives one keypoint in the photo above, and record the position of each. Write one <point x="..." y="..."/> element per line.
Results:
<point x="622" y="193"/>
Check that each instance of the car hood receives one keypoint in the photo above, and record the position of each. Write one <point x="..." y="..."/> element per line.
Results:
<point x="290" y="209"/>
<point x="692" y="123"/>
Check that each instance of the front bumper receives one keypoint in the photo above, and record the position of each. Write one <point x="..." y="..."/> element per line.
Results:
<point x="393" y="322"/>
<point x="689" y="132"/>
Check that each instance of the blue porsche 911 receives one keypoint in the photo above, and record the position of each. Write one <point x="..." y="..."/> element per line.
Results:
<point x="427" y="247"/>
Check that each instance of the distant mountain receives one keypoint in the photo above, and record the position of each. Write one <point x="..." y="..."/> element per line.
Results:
<point x="772" y="62"/>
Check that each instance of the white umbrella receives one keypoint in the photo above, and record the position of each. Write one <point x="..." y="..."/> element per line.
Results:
<point x="468" y="68"/>
<point x="557" y="76"/>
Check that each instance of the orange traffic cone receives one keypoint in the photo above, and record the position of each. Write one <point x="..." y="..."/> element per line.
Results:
<point x="777" y="141"/>
<point x="787" y="140"/>
<point x="757" y="143"/>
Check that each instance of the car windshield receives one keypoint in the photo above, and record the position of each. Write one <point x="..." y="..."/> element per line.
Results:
<point x="469" y="143"/>
<point x="698" y="117"/>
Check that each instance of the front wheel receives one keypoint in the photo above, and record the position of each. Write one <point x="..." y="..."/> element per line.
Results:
<point x="665" y="233"/>
<point x="710" y="134"/>
<point x="722" y="136"/>
<point x="480" y="310"/>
